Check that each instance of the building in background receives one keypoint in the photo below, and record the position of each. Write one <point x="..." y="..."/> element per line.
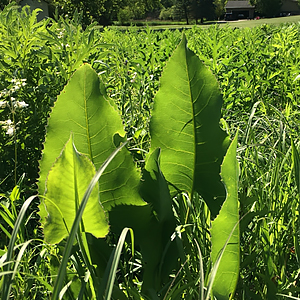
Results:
<point x="244" y="10"/>
<point x="239" y="10"/>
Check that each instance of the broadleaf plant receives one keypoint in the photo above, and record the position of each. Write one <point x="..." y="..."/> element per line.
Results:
<point x="185" y="125"/>
<point x="226" y="225"/>
<point x="82" y="108"/>
<point x="75" y="171"/>
<point x="186" y="154"/>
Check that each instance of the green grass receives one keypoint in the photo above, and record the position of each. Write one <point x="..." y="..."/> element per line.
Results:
<point x="268" y="21"/>
<point x="161" y="25"/>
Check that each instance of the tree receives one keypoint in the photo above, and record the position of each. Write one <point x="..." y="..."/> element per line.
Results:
<point x="194" y="9"/>
<point x="220" y="8"/>
<point x="103" y="11"/>
<point x="89" y="9"/>
<point x="182" y="9"/>
<point x="268" y="8"/>
<point x="203" y="9"/>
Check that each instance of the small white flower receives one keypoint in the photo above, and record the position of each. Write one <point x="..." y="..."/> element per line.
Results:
<point x="60" y="35"/>
<point x="10" y="131"/>
<point x="3" y="93"/>
<point x="133" y="77"/>
<point x="8" y="122"/>
<point x="14" y="80"/>
<point x="21" y="104"/>
<point x="12" y="98"/>
<point x="3" y="104"/>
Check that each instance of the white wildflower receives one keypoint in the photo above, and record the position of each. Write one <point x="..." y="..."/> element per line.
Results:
<point x="60" y="34"/>
<point x="8" y="126"/>
<point x="21" y="104"/>
<point x="3" y="93"/>
<point x="133" y="77"/>
<point x="10" y="130"/>
<point x="3" y="104"/>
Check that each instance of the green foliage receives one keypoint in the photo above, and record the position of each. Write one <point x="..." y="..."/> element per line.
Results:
<point x="191" y="162"/>
<point x="154" y="223"/>
<point x="220" y="8"/>
<point x="104" y="12"/>
<point x="75" y="171"/>
<point x="167" y="13"/>
<point x="7" y="269"/>
<point x="125" y="15"/>
<point x="36" y="60"/>
<point x="268" y="8"/>
<point x="194" y="9"/>
<point x="227" y="225"/>
<point x="257" y="70"/>
<point x="97" y="129"/>
<point x="78" y="233"/>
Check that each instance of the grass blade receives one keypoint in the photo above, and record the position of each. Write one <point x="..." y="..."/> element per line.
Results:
<point x="7" y="281"/>
<point x="115" y="262"/>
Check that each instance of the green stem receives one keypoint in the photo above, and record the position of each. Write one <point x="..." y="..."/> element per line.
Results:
<point x="15" y="145"/>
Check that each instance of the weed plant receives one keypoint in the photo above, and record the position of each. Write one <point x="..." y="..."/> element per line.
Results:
<point x="258" y="73"/>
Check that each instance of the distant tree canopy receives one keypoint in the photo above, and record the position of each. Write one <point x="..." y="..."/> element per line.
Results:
<point x="105" y="11"/>
<point x="268" y="8"/>
<point x="191" y="9"/>
<point x="220" y="8"/>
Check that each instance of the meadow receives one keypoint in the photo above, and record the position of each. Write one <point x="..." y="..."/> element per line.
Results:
<point x="148" y="164"/>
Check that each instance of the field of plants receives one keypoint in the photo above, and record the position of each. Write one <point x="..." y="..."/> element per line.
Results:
<point x="146" y="164"/>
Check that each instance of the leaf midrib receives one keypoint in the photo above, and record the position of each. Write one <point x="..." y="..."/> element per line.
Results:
<point x="193" y="120"/>
<point x="86" y="121"/>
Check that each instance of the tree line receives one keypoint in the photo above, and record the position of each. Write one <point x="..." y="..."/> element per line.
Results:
<point x="105" y="12"/>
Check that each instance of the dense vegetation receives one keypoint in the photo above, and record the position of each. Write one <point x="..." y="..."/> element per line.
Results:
<point x="258" y="74"/>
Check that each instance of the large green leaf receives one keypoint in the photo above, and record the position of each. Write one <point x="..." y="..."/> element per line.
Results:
<point x="66" y="184"/>
<point x="185" y="125"/>
<point x="226" y="224"/>
<point x="153" y="226"/>
<point x="154" y="189"/>
<point x="81" y="108"/>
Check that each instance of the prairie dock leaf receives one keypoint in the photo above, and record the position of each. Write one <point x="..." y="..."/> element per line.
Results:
<point x="224" y="226"/>
<point x="67" y="181"/>
<point x="82" y="109"/>
<point x="185" y="125"/>
<point x="153" y="226"/>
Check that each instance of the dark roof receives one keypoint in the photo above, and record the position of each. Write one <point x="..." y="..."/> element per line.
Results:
<point x="238" y="4"/>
